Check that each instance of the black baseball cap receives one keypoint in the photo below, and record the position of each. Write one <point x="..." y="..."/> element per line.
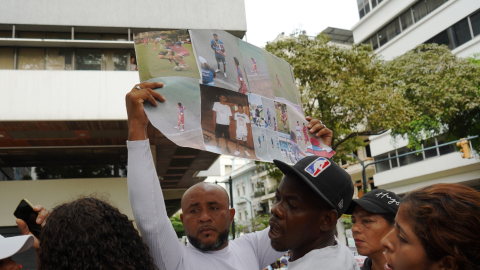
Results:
<point x="332" y="183"/>
<point x="378" y="201"/>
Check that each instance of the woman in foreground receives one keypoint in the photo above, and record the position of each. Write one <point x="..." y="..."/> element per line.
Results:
<point x="437" y="227"/>
<point x="89" y="233"/>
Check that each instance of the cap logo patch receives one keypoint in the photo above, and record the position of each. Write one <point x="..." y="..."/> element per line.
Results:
<point x="318" y="166"/>
<point x="390" y="199"/>
<point x="340" y="204"/>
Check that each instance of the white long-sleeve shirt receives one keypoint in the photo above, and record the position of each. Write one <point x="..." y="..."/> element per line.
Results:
<point x="251" y="251"/>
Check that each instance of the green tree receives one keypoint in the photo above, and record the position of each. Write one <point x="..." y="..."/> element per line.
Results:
<point x="442" y="91"/>
<point x="177" y="225"/>
<point x="347" y="88"/>
<point x="259" y="222"/>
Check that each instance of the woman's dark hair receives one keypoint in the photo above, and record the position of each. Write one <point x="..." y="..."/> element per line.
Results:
<point x="446" y="219"/>
<point x="179" y="104"/>
<point x="236" y="61"/>
<point x="88" y="233"/>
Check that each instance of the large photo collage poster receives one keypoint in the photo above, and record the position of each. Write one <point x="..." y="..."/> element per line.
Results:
<point x="225" y="96"/>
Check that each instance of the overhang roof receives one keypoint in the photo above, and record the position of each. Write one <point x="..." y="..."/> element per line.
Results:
<point x="47" y="143"/>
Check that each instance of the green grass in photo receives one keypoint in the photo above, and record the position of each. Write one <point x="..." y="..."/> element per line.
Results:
<point x="150" y="66"/>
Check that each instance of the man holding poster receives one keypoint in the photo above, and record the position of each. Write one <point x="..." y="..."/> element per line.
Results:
<point x="206" y="216"/>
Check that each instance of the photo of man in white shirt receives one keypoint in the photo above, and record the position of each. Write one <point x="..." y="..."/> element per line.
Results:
<point x="221" y="120"/>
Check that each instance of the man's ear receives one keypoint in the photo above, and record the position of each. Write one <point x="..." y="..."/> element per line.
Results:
<point x="448" y="263"/>
<point x="232" y="214"/>
<point x="181" y="218"/>
<point x="329" y="220"/>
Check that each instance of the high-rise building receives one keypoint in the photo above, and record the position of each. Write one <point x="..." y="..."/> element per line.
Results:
<point x="394" y="27"/>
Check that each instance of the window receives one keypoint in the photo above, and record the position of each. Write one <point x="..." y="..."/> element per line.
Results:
<point x="58" y="35"/>
<point x="94" y="59"/>
<point x="475" y="20"/>
<point x="447" y="149"/>
<point x="368" y="152"/>
<point x="406" y="19"/>
<point x="408" y="159"/>
<point x="389" y="32"/>
<point x="393" y="162"/>
<point x="31" y="58"/>
<point x="21" y="34"/>
<point x="382" y="166"/>
<point x="98" y="36"/>
<point x="238" y="190"/>
<point x="441" y="39"/>
<point x="59" y="59"/>
<point x="88" y="59"/>
<point x="460" y="32"/>
<point x="432" y="152"/>
<point x="374" y="42"/>
<point x="5" y="34"/>
<point x="434" y="4"/>
<point x="6" y="58"/>
<point x="420" y="10"/>
<point x="363" y="7"/>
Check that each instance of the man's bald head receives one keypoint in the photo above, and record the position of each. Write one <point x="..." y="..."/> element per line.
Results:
<point x="216" y="191"/>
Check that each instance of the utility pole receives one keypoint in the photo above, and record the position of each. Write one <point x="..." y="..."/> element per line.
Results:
<point x="231" y="204"/>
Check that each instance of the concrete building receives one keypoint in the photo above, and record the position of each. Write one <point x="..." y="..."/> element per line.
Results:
<point x="65" y="70"/>
<point x="394" y="27"/>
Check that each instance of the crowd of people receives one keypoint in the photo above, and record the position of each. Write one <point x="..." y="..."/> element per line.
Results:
<point x="435" y="227"/>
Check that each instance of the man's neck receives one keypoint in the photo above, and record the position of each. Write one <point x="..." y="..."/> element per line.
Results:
<point x="319" y="243"/>
<point x="378" y="260"/>
<point x="222" y="102"/>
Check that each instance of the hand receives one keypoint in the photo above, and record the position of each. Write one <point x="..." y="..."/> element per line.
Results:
<point x="41" y="219"/>
<point x="322" y="131"/>
<point x="137" y="119"/>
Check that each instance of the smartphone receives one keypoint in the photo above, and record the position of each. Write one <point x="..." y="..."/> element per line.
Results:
<point x="26" y="213"/>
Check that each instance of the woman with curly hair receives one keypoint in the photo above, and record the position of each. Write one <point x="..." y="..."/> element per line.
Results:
<point x="89" y="233"/>
<point x="436" y="227"/>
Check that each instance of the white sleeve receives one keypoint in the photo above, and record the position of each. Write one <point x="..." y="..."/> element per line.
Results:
<point x="248" y="120"/>
<point x="215" y="106"/>
<point x="149" y="210"/>
<point x="260" y="242"/>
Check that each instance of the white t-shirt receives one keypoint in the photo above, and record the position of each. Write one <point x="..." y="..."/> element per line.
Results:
<point x="223" y="113"/>
<point x="337" y="257"/>
<point x="242" y="121"/>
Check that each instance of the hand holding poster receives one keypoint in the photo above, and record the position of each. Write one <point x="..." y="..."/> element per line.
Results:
<point x="225" y="95"/>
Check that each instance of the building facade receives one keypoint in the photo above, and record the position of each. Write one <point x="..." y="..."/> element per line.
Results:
<point x="65" y="68"/>
<point x="394" y="27"/>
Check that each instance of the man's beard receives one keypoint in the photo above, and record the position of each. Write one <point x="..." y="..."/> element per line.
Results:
<point x="221" y="240"/>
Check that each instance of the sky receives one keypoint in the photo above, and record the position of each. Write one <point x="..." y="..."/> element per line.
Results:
<point x="266" y="19"/>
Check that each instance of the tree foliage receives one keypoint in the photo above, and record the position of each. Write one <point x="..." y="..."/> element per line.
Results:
<point x="442" y="91"/>
<point x="347" y="88"/>
<point x="426" y="92"/>
<point x="177" y="225"/>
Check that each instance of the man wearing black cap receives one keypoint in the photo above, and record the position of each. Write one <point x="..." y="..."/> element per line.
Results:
<point x="373" y="216"/>
<point x="311" y="197"/>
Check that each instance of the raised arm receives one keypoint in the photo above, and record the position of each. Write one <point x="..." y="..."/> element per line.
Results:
<point x="144" y="190"/>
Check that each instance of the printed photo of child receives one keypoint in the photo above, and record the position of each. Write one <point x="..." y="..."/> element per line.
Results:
<point x="181" y="94"/>
<point x="166" y="56"/>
